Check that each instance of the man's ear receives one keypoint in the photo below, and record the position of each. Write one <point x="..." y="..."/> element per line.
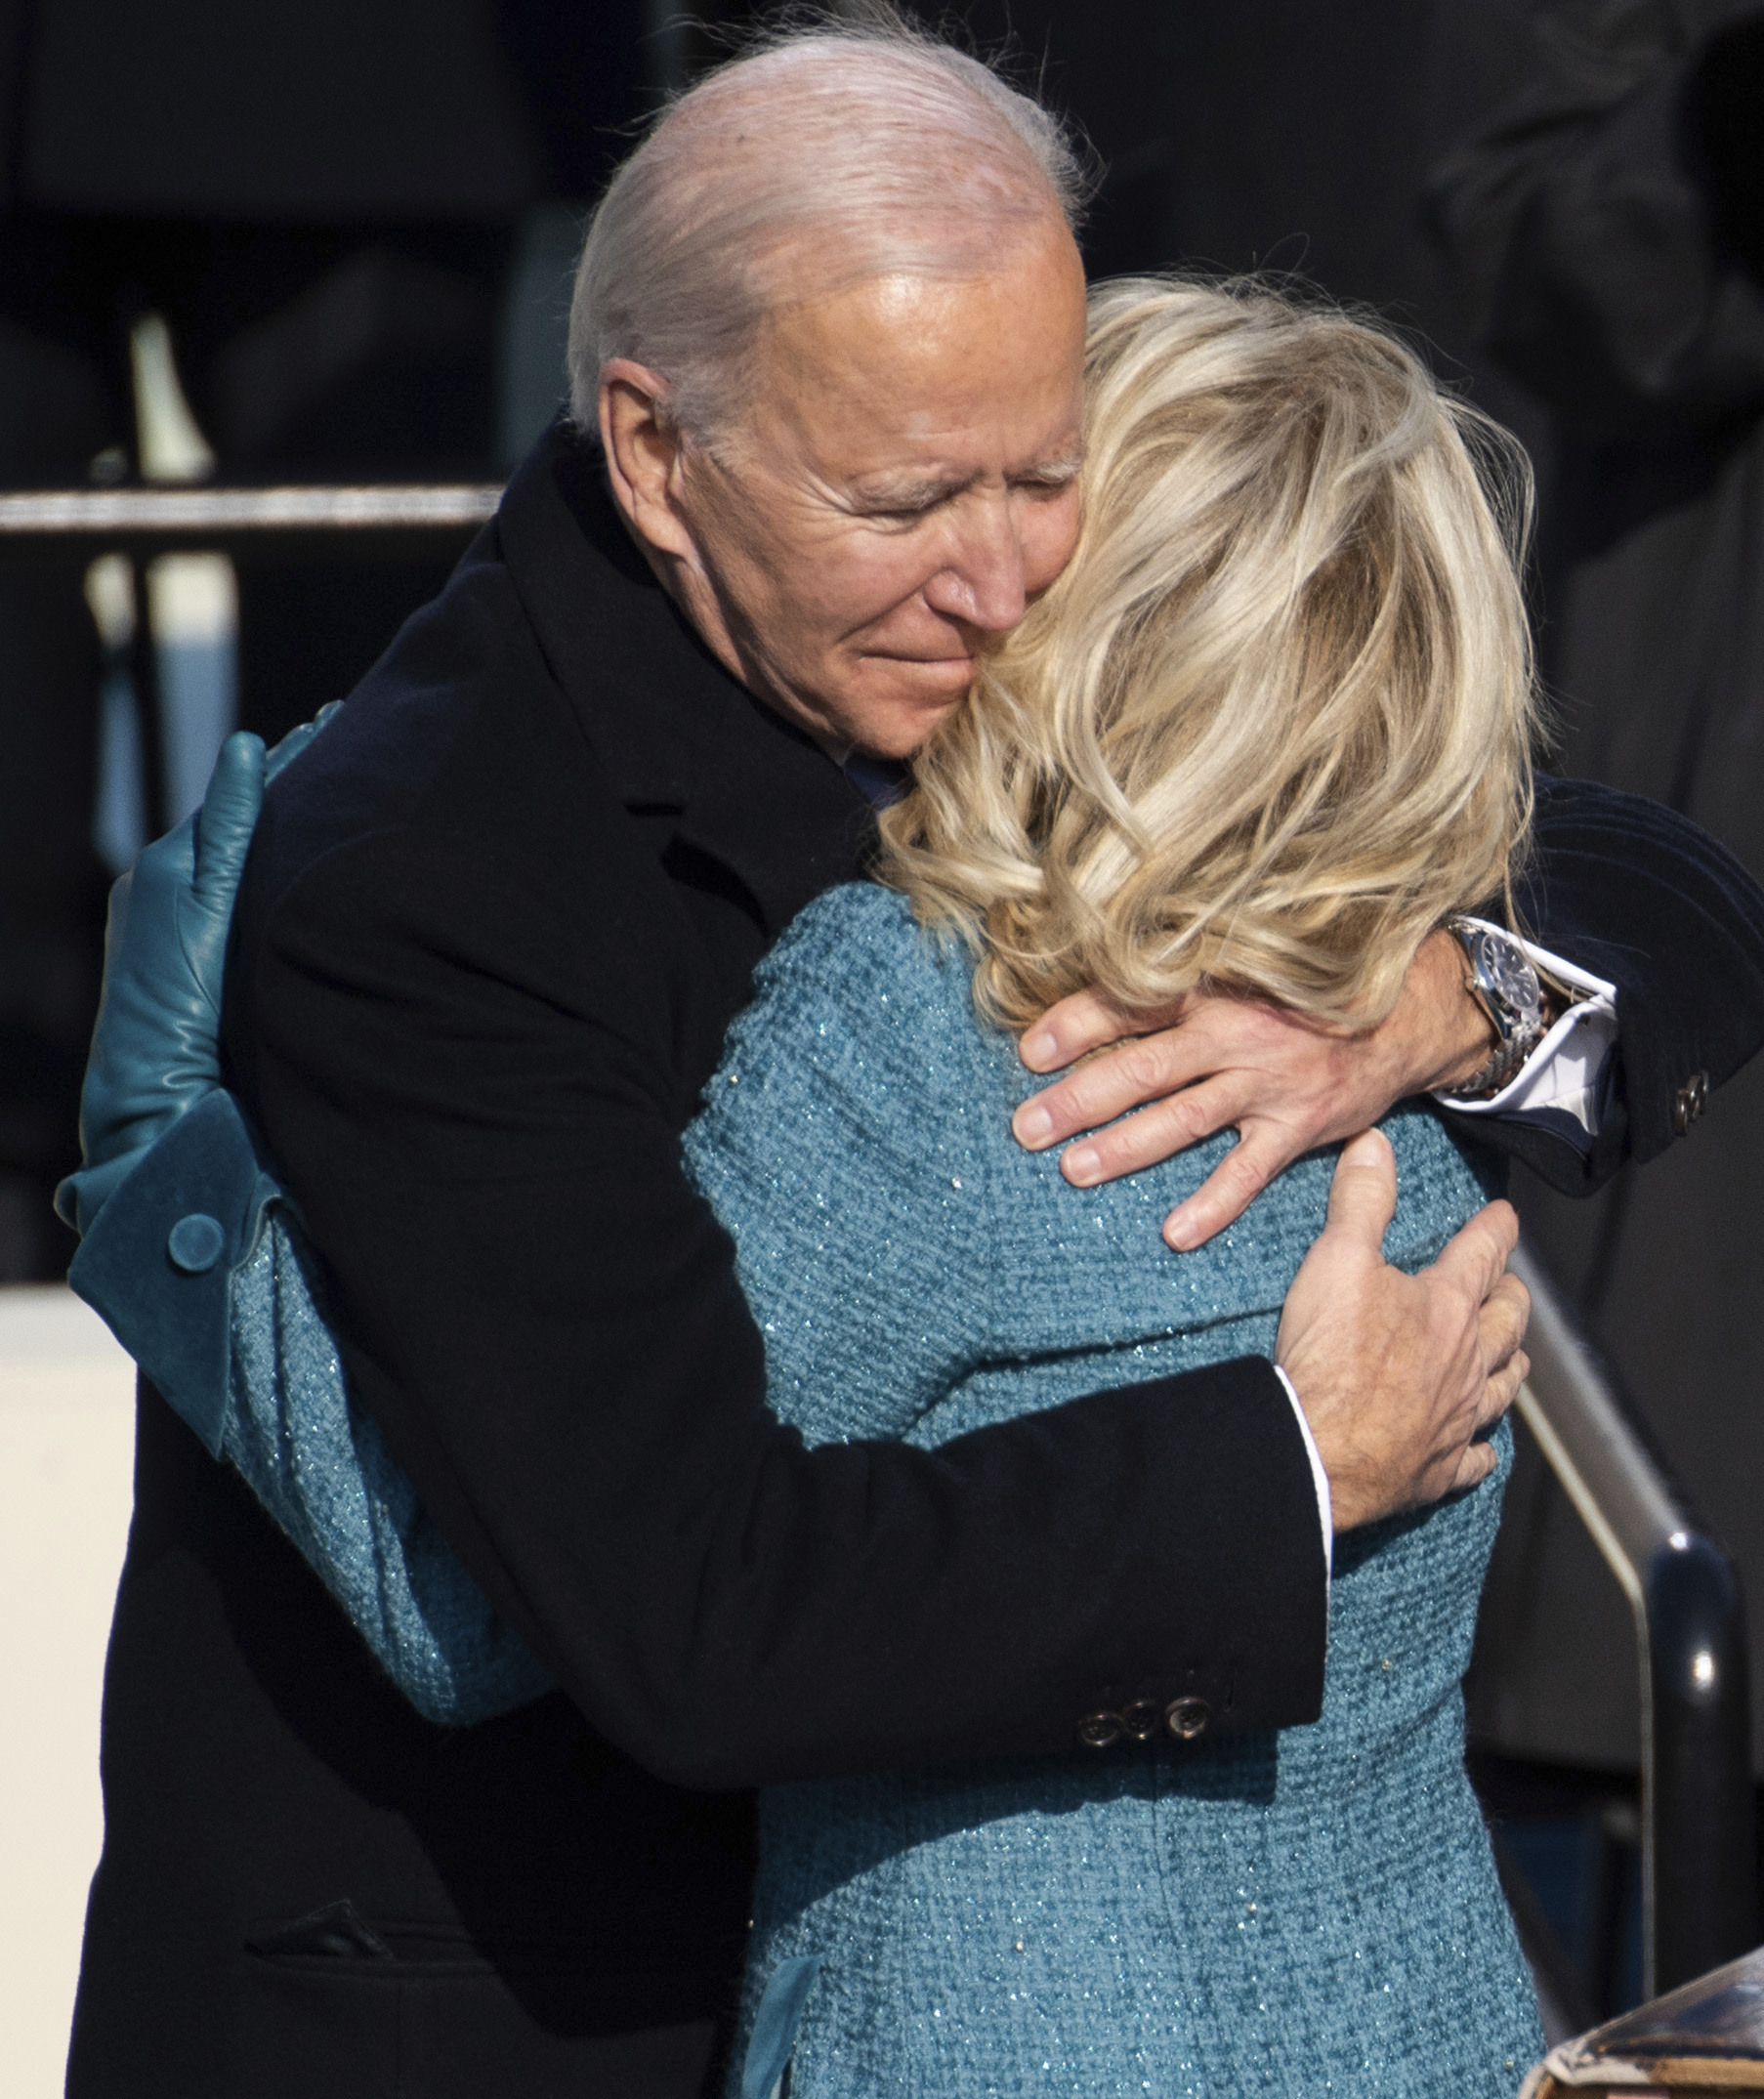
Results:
<point x="642" y="454"/>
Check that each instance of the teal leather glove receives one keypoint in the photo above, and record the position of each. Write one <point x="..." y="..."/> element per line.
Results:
<point x="174" y="1192"/>
<point x="155" y="1048"/>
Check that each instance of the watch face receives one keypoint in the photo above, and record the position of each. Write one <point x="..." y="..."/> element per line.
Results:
<point x="1508" y="973"/>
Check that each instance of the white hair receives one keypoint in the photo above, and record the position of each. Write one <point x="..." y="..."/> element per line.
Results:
<point x="833" y="154"/>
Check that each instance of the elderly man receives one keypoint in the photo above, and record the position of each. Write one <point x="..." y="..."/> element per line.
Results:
<point x="829" y="325"/>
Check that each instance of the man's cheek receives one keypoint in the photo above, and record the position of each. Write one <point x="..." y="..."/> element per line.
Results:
<point x="1049" y="545"/>
<point x="864" y="585"/>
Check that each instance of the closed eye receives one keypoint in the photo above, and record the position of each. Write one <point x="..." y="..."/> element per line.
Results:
<point x="1051" y="480"/>
<point x="909" y="506"/>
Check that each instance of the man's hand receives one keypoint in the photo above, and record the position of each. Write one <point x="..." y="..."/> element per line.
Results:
<point x="1397" y="1374"/>
<point x="1284" y="1083"/>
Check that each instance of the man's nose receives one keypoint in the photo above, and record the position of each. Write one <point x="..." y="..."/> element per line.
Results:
<point x="982" y="584"/>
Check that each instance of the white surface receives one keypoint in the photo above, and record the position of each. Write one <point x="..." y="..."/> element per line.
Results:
<point x="66" y="1445"/>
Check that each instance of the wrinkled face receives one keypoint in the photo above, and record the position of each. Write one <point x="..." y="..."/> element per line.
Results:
<point x="903" y="483"/>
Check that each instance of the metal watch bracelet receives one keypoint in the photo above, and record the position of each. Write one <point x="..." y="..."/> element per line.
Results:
<point x="1504" y="983"/>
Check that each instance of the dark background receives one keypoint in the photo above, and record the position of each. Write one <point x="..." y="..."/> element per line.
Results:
<point x="356" y="217"/>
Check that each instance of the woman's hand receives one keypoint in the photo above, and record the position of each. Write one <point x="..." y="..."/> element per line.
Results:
<point x="156" y="1046"/>
<point x="1284" y="1083"/>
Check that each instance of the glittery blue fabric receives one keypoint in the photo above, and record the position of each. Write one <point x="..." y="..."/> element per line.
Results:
<point x="1310" y="1913"/>
<point x="320" y="1466"/>
<point x="1307" y="1913"/>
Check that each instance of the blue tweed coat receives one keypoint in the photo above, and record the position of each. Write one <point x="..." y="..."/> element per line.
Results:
<point x="1301" y="1913"/>
<point x="1309" y="1913"/>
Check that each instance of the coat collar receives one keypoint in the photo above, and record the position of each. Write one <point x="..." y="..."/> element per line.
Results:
<point x="672" y="727"/>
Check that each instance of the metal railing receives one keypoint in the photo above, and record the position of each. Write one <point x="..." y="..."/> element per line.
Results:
<point x="1698" y="1864"/>
<point x="61" y="521"/>
<point x="268" y="526"/>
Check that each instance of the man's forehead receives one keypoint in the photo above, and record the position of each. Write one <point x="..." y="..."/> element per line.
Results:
<point x="923" y="378"/>
<point x="1030" y="303"/>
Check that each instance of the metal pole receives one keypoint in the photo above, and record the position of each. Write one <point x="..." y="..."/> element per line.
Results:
<point x="176" y="514"/>
<point x="1703" y="1806"/>
<point x="1699" y="1872"/>
<point x="150" y="708"/>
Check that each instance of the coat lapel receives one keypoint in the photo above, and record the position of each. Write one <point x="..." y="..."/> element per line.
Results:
<point x="675" y="731"/>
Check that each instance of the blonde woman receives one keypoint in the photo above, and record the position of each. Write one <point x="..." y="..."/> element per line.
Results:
<point x="1268" y="730"/>
<point x="1271" y="727"/>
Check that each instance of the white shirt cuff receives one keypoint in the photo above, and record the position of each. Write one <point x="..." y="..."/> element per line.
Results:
<point x="1563" y="1075"/>
<point x="1319" y="1479"/>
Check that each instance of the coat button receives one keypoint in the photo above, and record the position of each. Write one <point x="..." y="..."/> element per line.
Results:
<point x="195" y="1243"/>
<point x="1186" y="1718"/>
<point x="1100" y="1731"/>
<point x="1142" y="1720"/>
<point x="1689" y="1102"/>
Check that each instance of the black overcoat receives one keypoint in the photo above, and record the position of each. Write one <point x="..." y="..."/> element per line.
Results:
<point x="494" y="924"/>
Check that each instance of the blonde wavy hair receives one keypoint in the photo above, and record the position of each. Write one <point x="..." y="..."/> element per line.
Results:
<point x="1274" y="719"/>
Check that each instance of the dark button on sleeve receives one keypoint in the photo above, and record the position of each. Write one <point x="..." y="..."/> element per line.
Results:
<point x="1689" y="1102"/>
<point x="1187" y="1718"/>
<point x="1100" y="1731"/>
<point x="1142" y="1720"/>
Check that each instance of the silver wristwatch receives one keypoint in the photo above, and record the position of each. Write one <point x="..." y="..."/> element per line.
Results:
<point x="1506" y="986"/>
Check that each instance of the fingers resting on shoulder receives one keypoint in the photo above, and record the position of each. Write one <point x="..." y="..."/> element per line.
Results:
<point x="1401" y="1375"/>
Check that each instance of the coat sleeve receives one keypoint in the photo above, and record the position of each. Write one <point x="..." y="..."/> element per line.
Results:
<point x="201" y="1271"/>
<point x="462" y="1081"/>
<point x="1646" y="899"/>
